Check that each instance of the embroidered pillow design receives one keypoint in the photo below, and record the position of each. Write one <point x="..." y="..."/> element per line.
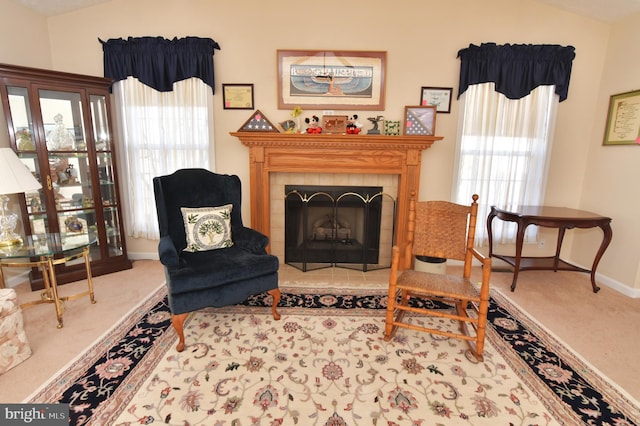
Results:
<point x="207" y="228"/>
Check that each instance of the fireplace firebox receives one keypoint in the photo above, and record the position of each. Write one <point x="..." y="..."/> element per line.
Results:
<point x="339" y="226"/>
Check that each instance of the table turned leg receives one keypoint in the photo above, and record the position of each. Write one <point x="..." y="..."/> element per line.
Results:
<point x="556" y="259"/>
<point x="519" y="243"/>
<point x="492" y="214"/>
<point x="606" y="239"/>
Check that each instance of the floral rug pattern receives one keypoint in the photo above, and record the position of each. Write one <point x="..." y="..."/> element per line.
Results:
<point x="323" y="365"/>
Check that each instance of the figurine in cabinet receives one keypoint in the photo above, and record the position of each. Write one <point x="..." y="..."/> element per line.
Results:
<point x="62" y="172"/>
<point x="59" y="138"/>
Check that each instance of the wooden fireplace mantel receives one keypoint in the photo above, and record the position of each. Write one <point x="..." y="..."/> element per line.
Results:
<point x="271" y="152"/>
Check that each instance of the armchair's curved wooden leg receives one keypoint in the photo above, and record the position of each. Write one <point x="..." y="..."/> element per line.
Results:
<point x="178" y="324"/>
<point x="275" y="293"/>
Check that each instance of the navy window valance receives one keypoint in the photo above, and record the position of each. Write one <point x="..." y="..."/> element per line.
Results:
<point x="159" y="62"/>
<point x="517" y="69"/>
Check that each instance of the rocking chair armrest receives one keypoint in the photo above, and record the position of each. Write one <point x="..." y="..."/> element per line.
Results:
<point x="168" y="252"/>
<point x="485" y="260"/>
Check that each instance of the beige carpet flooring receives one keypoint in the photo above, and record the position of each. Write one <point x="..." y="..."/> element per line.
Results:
<point x="604" y="328"/>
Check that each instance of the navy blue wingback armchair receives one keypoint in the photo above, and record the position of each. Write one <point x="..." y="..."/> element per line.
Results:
<point x="216" y="277"/>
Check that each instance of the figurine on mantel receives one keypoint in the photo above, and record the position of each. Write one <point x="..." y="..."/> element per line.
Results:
<point x="375" y="120"/>
<point x="314" y="127"/>
<point x="289" y="126"/>
<point x="353" y="126"/>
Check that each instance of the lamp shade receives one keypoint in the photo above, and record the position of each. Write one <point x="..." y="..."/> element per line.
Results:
<point x="15" y="176"/>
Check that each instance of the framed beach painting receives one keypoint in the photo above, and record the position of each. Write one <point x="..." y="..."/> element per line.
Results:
<point x="330" y="79"/>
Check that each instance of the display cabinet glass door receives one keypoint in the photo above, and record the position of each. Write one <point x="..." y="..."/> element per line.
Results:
<point x="68" y="158"/>
<point x="63" y="136"/>
<point x="25" y="140"/>
<point x="106" y="175"/>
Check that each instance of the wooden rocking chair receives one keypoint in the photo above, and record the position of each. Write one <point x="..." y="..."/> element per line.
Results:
<point x="446" y="230"/>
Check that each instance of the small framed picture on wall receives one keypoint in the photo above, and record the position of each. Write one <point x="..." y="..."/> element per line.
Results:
<point x="440" y="97"/>
<point x="237" y="96"/>
<point x="623" y="119"/>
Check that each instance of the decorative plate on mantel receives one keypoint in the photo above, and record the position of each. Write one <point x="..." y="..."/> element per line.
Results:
<point x="258" y="122"/>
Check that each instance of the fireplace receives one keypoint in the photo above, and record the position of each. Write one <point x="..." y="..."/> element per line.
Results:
<point x="273" y="155"/>
<point x="337" y="226"/>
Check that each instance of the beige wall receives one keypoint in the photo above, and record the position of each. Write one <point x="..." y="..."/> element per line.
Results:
<point x="612" y="172"/>
<point x="422" y="38"/>
<point x="24" y="40"/>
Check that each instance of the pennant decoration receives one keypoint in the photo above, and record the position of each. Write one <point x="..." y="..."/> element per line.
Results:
<point x="258" y="122"/>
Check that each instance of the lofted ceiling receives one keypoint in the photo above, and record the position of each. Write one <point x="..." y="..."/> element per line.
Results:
<point x="57" y="7"/>
<point x="603" y="10"/>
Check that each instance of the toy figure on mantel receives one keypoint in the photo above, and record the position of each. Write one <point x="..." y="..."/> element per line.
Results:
<point x="375" y="120"/>
<point x="353" y="126"/>
<point x="314" y="127"/>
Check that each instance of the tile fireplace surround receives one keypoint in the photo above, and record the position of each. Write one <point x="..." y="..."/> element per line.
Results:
<point x="271" y="153"/>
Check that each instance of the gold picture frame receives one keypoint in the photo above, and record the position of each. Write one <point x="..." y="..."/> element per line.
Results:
<point x="420" y="120"/>
<point x="237" y="96"/>
<point x="623" y="119"/>
<point x="336" y="79"/>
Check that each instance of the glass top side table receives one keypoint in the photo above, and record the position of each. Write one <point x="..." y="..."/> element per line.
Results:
<point x="45" y="251"/>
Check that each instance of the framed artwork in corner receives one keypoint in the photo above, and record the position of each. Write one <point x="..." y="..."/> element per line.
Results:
<point x="237" y="96"/>
<point x="623" y="119"/>
<point x="419" y="120"/>
<point x="440" y="97"/>
<point x="331" y="79"/>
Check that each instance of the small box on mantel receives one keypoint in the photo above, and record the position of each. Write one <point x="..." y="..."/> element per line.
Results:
<point x="392" y="127"/>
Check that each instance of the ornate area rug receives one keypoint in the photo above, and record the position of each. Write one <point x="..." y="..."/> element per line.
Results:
<point x="326" y="363"/>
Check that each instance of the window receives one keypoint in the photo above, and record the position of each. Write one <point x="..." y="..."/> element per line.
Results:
<point x="160" y="132"/>
<point x="503" y="153"/>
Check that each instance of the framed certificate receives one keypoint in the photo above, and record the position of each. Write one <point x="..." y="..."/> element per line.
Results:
<point x="237" y="96"/>
<point x="440" y="97"/>
<point x="623" y="119"/>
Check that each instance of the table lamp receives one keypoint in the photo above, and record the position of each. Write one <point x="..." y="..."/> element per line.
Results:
<point x="15" y="178"/>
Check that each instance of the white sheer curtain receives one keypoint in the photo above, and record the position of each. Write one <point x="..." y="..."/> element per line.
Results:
<point x="160" y="132"/>
<point x="503" y="153"/>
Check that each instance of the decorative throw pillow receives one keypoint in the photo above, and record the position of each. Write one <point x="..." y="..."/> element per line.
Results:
<point x="207" y="228"/>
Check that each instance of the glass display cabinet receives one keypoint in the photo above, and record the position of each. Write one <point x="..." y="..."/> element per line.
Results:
<point x="60" y="128"/>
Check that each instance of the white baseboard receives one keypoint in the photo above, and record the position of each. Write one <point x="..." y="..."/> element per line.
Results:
<point x="143" y="256"/>
<point x="612" y="284"/>
<point x="618" y="286"/>
<point x="600" y="279"/>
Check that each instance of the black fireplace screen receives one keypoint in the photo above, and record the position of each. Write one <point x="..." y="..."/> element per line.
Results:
<point x="338" y="226"/>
